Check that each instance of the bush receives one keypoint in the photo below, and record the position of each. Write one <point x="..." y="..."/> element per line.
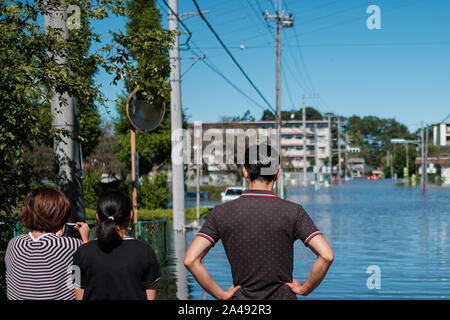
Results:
<point x="213" y="191"/>
<point x="157" y="214"/>
<point x="154" y="194"/>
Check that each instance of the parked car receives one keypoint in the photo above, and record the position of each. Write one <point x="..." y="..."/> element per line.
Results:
<point x="231" y="193"/>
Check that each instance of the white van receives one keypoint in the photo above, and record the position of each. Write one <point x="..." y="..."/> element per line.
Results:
<point x="231" y="193"/>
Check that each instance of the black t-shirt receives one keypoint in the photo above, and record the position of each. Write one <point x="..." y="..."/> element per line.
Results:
<point x="123" y="274"/>
<point x="258" y="231"/>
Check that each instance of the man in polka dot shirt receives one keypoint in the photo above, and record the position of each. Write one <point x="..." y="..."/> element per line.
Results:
<point x="258" y="231"/>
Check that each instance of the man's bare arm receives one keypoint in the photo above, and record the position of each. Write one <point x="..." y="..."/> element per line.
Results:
<point x="193" y="261"/>
<point x="325" y="257"/>
<point x="79" y="293"/>
<point x="151" y="292"/>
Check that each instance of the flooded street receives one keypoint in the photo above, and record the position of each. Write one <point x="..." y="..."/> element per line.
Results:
<point x="396" y="229"/>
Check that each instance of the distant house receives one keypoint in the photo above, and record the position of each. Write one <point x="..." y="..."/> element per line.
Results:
<point x="438" y="164"/>
<point x="357" y="167"/>
<point x="441" y="134"/>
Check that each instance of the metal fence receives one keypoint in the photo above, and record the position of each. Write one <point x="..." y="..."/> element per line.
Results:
<point x="8" y="227"/>
<point x="151" y="232"/>
<point x="154" y="233"/>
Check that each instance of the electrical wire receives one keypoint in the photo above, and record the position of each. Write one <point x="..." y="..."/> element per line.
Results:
<point x="231" y="56"/>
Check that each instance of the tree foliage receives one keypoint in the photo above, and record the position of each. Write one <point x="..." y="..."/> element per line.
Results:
<point x="311" y="114"/>
<point x="152" y="70"/>
<point x="31" y="75"/>
<point x="154" y="194"/>
<point x="373" y="136"/>
<point x="247" y="116"/>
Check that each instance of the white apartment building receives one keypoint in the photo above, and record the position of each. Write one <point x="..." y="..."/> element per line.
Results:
<point x="441" y="134"/>
<point x="297" y="145"/>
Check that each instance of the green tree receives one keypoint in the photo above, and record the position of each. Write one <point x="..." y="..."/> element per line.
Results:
<point x="41" y="152"/>
<point x="373" y="136"/>
<point x="311" y="114"/>
<point x="30" y="76"/>
<point x="152" y="70"/>
<point x="154" y="193"/>
<point x="246" y="117"/>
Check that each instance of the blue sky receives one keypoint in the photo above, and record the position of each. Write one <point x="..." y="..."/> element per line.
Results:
<point x="401" y="71"/>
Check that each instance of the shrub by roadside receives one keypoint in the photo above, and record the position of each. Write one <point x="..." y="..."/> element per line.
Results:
<point x="156" y="214"/>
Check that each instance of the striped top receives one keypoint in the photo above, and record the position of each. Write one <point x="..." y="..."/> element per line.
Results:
<point x="41" y="268"/>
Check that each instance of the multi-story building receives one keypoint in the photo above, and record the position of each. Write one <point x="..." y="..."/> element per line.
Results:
<point x="441" y="134"/>
<point x="296" y="143"/>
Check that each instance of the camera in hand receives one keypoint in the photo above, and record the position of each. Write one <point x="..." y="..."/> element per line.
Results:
<point x="70" y="231"/>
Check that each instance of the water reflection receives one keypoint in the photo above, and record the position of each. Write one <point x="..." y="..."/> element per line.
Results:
<point x="179" y="238"/>
<point x="367" y="223"/>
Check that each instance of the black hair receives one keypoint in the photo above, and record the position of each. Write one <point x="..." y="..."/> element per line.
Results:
<point x="113" y="210"/>
<point x="262" y="162"/>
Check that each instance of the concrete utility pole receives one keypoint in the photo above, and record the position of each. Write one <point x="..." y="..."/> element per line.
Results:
<point x="281" y="21"/>
<point x="426" y="156"/>
<point x="176" y="123"/>
<point x="389" y="163"/>
<point x="305" y="179"/>
<point x="422" y="150"/>
<point x="67" y="149"/>
<point x="330" y="159"/>
<point x="346" y="158"/>
<point x="316" y="159"/>
<point x="339" y="149"/>
<point x="407" y="162"/>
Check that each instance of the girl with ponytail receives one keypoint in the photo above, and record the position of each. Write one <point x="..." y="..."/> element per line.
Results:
<point x="115" y="266"/>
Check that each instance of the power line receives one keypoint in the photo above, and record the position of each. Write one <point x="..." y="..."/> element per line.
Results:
<point x="231" y="56"/>
<point x="211" y="65"/>
<point x="218" y="72"/>
<point x="387" y="44"/>
<point x="186" y="43"/>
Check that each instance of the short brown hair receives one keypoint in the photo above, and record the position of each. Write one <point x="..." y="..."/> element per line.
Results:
<point x="45" y="210"/>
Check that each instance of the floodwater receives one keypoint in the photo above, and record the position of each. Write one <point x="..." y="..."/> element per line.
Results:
<point x="373" y="225"/>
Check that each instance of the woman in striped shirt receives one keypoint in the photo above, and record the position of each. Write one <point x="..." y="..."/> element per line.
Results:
<point x="38" y="264"/>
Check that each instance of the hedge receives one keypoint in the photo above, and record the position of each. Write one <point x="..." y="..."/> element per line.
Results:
<point x="156" y="214"/>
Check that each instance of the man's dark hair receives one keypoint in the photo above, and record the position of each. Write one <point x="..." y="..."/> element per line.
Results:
<point x="262" y="162"/>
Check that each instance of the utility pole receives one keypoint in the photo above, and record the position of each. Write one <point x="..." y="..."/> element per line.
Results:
<point x="305" y="183"/>
<point x="278" y="100"/>
<point x="407" y="162"/>
<point x="281" y="21"/>
<point x="68" y="158"/>
<point x="198" y="150"/>
<point x="389" y="163"/>
<point x="316" y="159"/>
<point x="346" y="158"/>
<point x="422" y="150"/>
<point x="176" y="122"/>
<point x="426" y="156"/>
<point x="339" y="149"/>
<point x="330" y="159"/>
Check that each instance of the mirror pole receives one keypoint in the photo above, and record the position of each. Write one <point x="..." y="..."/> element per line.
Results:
<point x="133" y="177"/>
